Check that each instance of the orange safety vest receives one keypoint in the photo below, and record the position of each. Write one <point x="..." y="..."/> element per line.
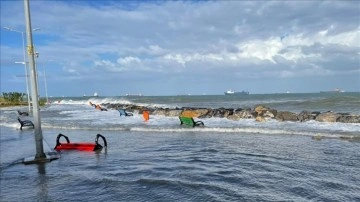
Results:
<point x="146" y="115"/>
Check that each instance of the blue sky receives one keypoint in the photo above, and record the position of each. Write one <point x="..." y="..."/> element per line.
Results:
<point x="184" y="47"/>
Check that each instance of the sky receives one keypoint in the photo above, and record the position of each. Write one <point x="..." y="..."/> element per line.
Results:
<point x="183" y="47"/>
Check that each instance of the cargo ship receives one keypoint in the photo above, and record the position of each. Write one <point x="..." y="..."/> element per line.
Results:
<point x="336" y="90"/>
<point x="231" y="92"/>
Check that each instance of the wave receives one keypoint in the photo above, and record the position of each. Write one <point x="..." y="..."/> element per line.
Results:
<point x="77" y="114"/>
<point x="80" y="101"/>
<point x="89" y="119"/>
<point x="353" y="135"/>
<point x="249" y="130"/>
<point x="110" y="100"/>
<point x="344" y="102"/>
<point x="346" y="133"/>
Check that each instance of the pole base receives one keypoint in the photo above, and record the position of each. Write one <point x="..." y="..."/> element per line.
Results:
<point x="49" y="156"/>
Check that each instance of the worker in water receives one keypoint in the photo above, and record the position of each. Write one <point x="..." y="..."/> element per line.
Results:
<point x="146" y="115"/>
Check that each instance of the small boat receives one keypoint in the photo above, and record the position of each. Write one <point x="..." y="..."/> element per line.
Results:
<point x="231" y="92"/>
<point x="96" y="94"/>
<point x="336" y="90"/>
<point x="135" y="95"/>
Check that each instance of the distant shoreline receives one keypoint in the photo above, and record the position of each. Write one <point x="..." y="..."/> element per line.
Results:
<point x="17" y="104"/>
<point x="11" y="104"/>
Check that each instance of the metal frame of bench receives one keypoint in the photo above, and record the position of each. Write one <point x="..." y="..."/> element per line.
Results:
<point x="123" y="112"/>
<point x="22" y="113"/>
<point x="25" y="123"/>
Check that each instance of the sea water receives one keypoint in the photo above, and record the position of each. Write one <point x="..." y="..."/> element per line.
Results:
<point x="159" y="160"/>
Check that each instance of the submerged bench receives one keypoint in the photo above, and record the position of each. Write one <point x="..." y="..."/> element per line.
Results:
<point x="189" y="121"/>
<point x="22" y="113"/>
<point x="25" y="123"/>
<point x="123" y="112"/>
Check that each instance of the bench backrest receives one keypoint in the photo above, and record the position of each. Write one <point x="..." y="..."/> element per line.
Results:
<point x="187" y="120"/>
<point x="122" y="112"/>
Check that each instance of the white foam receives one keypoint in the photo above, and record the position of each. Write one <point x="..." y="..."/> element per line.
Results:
<point x="83" y="116"/>
<point x="112" y="100"/>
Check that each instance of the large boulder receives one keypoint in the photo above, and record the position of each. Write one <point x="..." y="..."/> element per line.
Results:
<point x="209" y="114"/>
<point x="195" y="112"/>
<point x="228" y="112"/>
<point x="174" y="112"/>
<point x="244" y="114"/>
<point x="327" y="117"/>
<point x="347" y="118"/>
<point x="270" y="113"/>
<point x="260" y="110"/>
<point x="160" y="111"/>
<point x="264" y="112"/>
<point x="260" y="119"/>
<point x="234" y="117"/>
<point x="222" y="112"/>
<point x="286" y="116"/>
<point x="306" y="116"/>
<point x="188" y="113"/>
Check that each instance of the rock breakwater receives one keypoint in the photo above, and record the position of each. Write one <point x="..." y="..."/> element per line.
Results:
<point x="259" y="113"/>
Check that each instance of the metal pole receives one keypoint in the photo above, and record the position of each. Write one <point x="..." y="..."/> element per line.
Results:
<point x="46" y="93"/>
<point x="40" y="155"/>
<point x="36" y="71"/>
<point x="24" y="63"/>
<point x="26" y="72"/>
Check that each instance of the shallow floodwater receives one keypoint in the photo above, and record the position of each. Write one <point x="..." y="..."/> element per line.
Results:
<point x="187" y="166"/>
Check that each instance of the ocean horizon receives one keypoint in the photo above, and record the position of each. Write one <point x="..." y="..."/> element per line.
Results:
<point x="141" y="94"/>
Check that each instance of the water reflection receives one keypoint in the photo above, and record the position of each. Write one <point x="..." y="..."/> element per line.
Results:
<point x="99" y="153"/>
<point x="42" y="184"/>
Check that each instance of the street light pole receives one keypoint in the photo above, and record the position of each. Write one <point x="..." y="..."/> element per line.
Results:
<point x="46" y="92"/>
<point x="36" y="70"/>
<point x="26" y="74"/>
<point x="45" y="82"/>
<point x="40" y="155"/>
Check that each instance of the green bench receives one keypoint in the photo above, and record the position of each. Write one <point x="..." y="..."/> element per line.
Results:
<point x="189" y="121"/>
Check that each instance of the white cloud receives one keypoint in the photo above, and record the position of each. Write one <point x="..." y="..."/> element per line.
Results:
<point x="104" y="63"/>
<point x="235" y="39"/>
<point x="107" y="65"/>
<point x="156" y="50"/>
<point x="128" y="61"/>
<point x="260" y="49"/>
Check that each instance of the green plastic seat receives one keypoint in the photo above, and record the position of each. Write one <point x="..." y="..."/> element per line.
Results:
<point x="189" y="121"/>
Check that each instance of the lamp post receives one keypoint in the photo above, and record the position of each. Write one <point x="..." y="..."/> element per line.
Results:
<point x="45" y="82"/>
<point x="24" y="62"/>
<point x="36" y="71"/>
<point x="46" y="92"/>
<point x="40" y="156"/>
